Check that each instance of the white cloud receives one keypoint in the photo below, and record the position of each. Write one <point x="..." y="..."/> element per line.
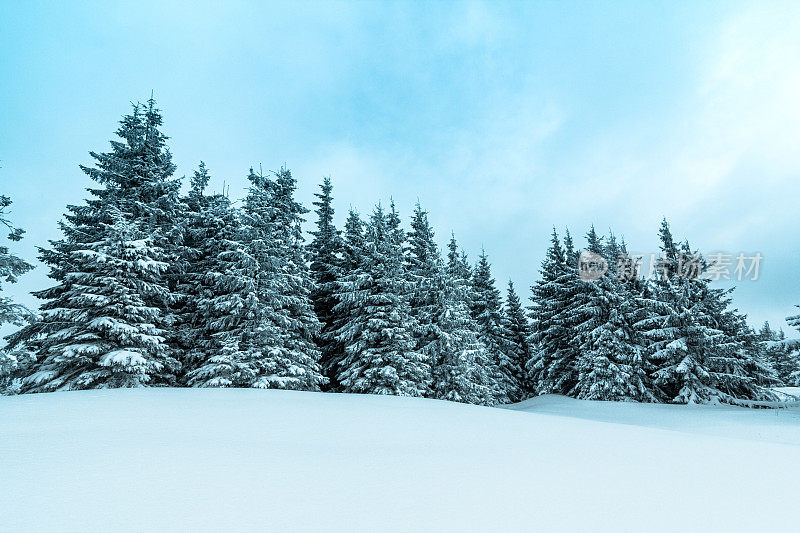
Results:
<point x="471" y="178"/>
<point x="729" y="143"/>
<point x="750" y="92"/>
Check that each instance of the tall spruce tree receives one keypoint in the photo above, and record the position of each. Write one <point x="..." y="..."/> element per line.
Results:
<point x="610" y="360"/>
<point x="792" y="347"/>
<point x="423" y="272"/>
<point x="104" y="323"/>
<point x="488" y="315"/>
<point x="352" y="257"/>
<point x="300" y="320"/>
<point x="698" y="356"/>
<point x="519" y="333"/>
<point x="272" y="233"/>
<point x="446" y="333"/>
<point x="200" y="228"/>
<point x="12" y="363"/>
<point x="225" y="327"/>
<point x="375" y="322"/>
<point x="460" y="369"/>
<point x="324" y="253"/>
<point x="554" y="370"/>
<point x="778" y="354"/>
<point x="459" y="269"/>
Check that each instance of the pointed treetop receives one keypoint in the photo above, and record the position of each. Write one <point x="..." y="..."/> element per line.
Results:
<point x="668" y="246"/>
<point x="555" y="254"/>
<point x="200" y="179"/>
<point x="594" y="241"/>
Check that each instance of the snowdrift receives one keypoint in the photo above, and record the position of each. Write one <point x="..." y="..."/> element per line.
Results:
<point x="191" y="459"/>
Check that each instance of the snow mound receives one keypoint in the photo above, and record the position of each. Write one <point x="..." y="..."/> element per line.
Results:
<point x="211" y="460"/>
<point x="770" y="425"/>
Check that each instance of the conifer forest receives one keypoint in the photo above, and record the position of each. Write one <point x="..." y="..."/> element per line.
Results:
<point x="157" y="282"/>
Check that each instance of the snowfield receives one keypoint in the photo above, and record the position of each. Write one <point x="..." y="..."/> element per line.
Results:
<point x="201" y="459"/>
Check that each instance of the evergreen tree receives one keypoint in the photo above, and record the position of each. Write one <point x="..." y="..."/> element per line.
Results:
<point x="224" y="326"/>
<point x="460" y="371"/>
<point x="747" y="352"/>
<point x="610" y="363"/>
<point x="792" y="348"/>
<point x="12" y="363"/>
<point x="519" y="333"/>
<point x="446" y="333"/>
<point x="239" y="344"/>
<point x="200" y="228"/>
<point x="423" y="272"/>
<point x="352" y="257"/>
<point x="692" y="341"/>
<point x="773" y="352"/>
<point x="570" y="254"/>
<point x="272" y="234"/>
<point x="555" y="368"/>
<point x="488" y="315"/>
<point x="104" y="323"/>
<point x="423" y="256"/>
<point x="375" y="325"/>
<point x="326" y="268"/>
<point x="459" y="270"/>
<point x="453" y="262"/>
<point x="354" y="242"/>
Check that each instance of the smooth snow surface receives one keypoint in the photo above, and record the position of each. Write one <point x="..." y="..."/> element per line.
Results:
<point x="220" y="460"/>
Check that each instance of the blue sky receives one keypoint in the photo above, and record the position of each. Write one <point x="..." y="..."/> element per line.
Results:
<point x="503" y="119"/>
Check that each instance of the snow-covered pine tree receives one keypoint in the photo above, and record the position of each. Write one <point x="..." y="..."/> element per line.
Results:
<point x="354" y="241"/>
<point x="627" y="271"/>
<point x="103" y="324"/>
<point x="423" y="271"/>
<point x="324" y="253"/>
<point x="766" y="337"/>
<point x="446" y="333"/>
<point x="375" y="323"/>
<point x="453" y="262"/>
<point x="300" y="321"/>
<point x="610" y="364"/>
<point x="776" y="351"/>
<point x="612" y="251"/>
<point x="224" y="326"/>
<point x="554" y="369"/>
<point x="698" y="356"/>
<point x="746" y="350"/>
<point x="236" y="343"/>
<point x="12" y="363"/>
<point x="460" y="372"/>
<point x="570" y="254"/>
<point x="792" y="348"/>
<point x="200" y="230"/>
<point x="422" y="259"/>
<point x="488" y="315"/>
<point x="519" y="333"/>
<point x="352" y="257"/>
<point x="272" y="233"/>
<point x="97" y="328"/>
<point x="459" y="270"/>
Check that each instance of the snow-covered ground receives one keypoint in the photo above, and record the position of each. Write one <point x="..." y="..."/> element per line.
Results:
<point x="190" y="459"/>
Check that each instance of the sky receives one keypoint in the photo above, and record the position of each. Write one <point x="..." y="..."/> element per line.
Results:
<point x="503" y="119"/>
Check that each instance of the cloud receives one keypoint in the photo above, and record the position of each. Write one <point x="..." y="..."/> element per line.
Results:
<point x="750" y="89"/>
<point x="471" y="177"/>
<point x="736" y="130"/>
